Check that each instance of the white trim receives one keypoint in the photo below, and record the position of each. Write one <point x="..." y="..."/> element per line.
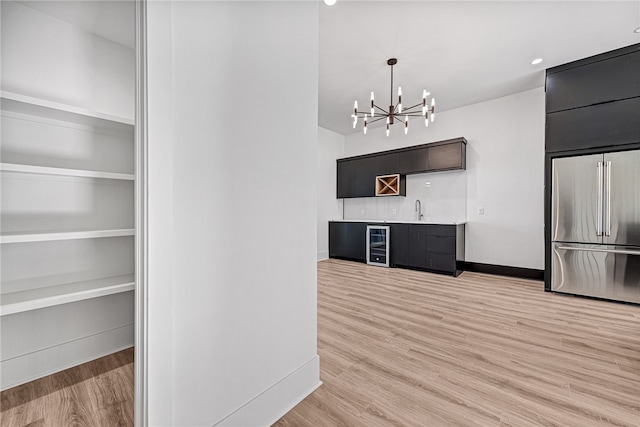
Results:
<point x="322" y="255"/>
<point x="295" y="402"/>
<point x="141" y="404"/>
<point x="23" y="369"/>
<point x="285" y="393"/>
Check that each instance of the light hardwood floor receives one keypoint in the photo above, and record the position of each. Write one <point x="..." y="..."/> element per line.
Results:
<point x="95" y="394"/>
<point x="406" y="348"/>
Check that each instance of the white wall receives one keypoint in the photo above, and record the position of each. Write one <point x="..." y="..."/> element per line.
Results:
<point x="505" y="173"/>
<point x="330" y="148"/>
<point x="243" y="226"/>
<point x="50" y="59"/>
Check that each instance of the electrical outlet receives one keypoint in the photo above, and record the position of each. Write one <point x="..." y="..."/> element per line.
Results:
<point x="480" y="211"/>
<point x="361" y="211"/>
<point x="394" y="211"/>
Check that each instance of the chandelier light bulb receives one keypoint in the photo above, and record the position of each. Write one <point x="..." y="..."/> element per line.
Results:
<point x="406" y="125"/>
<point x="373" y="112"/>
<point x="329" y="2"/>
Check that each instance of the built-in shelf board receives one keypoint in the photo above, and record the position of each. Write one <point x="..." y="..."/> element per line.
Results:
<point x="33" y="299"/>
<point x="28" y="105"/>
<point x="25" y="237"/>
<point x="44" y="170"/>
<point x="388" y="185"/>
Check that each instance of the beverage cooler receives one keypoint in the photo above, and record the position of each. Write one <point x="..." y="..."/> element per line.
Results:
<point x="378" y="245"/>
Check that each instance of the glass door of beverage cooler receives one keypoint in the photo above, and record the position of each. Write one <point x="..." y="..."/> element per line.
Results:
<point x="378" y="245"/>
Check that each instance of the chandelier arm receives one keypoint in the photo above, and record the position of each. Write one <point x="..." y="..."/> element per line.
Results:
<point x="378" y="119"/>
<point x="381" y="109"/>
<point x="415" y="114"/>
<point x="414" y="106"/>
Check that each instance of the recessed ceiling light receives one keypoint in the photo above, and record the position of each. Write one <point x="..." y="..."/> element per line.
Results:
<point x="637" y="30"/>
<point x="329" y="2"/>
<point x="536" y="61"/>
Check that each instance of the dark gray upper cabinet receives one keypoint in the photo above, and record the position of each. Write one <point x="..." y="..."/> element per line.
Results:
<point x="413" y="161"/>
<point x="356" y="176"/>
<point x="603" y="125"/>
<point x="594" y="83"/>
<point x="594" y="103"/>
<point x="447" y="157"/>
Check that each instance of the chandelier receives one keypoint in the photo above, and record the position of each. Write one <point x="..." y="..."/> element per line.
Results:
<point x="396" y="112"/>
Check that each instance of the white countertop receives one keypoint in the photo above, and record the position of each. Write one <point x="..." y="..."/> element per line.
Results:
<point x="399" y="221"/>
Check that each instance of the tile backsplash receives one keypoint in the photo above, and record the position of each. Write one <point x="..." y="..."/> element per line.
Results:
<point x="443" y="196"/>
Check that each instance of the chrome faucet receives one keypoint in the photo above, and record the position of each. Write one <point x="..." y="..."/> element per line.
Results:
<point x="419" y="209"/>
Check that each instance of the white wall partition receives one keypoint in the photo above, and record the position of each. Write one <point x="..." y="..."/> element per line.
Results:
<point x="330" y="148"/>
<point x="505" y="176"/>
<point x="238" y="167"/>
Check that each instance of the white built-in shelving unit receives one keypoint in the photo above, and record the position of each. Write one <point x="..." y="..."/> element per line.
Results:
<point x="67" y="233"/>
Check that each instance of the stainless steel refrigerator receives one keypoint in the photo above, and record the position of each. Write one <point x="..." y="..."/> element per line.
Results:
<point x="596" y="225"/>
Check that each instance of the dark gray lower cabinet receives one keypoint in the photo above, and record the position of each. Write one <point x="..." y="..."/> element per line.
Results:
<point x="430" y="247"/>
<point x="434" y="247"/>
<point x="347" y="240"/>
<point x="399" y="250"/>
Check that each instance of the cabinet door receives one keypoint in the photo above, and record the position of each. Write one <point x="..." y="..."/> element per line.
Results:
<point x="384" y="164"/>
<point x="344" y="179"/>
<point x="399" y="244"/>
<point x="603" y="125"/>
<point x="603" y="81"/>
<point x="417" y="246"/>
<point x="413" y="161"/>
<point x="441" y="262"/>
<point x="447" y="156"/>
<point x="347" y="240"/>
<point x="355" y="178"/>
<point x="441" y="244"/>
<point x="365" y="177"/>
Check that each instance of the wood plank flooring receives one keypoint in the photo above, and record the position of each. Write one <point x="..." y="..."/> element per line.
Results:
<point x="97" y="393"/>
<point x="406" y="348"/>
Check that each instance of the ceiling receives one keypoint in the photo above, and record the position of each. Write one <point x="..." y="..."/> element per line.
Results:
<point x="462" y="52"/>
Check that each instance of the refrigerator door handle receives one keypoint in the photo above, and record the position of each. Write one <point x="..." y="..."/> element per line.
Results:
<point x="612" y="251"/>
<point x="607" y="200"/>
<point x="599" y="208"/>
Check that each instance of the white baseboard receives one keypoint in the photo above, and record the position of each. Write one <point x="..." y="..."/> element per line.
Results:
<point x="270" y="405"/>
<point x="32" y="366"/>
<point x="322" y="255"/>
